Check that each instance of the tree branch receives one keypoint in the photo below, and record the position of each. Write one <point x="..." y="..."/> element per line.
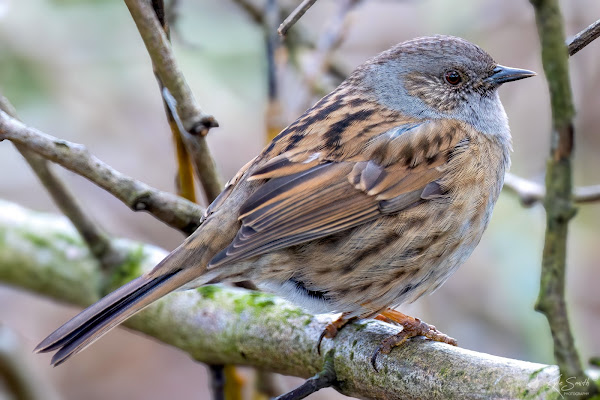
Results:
<point x="195" y="124"/>
<point x="585" y="37"/>
<point x="194" y="119"/>
<point x="169" y="208"/>
<point x="220" y="325"/>
<point x="530" y="193"/>
<point x="295" y="16"/>
<point x="96" y="239"/>
<point x="558" y="201"/>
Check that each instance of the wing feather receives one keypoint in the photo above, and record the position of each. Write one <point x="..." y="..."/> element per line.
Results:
<point x="306" y="197"/>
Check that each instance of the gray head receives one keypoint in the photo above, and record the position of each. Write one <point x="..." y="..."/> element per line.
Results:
<point x="441" y="77"/>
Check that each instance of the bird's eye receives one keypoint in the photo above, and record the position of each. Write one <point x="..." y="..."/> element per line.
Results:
<point x="453" y="77"/>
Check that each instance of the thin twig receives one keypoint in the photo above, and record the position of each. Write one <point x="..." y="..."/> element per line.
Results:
<point x="169" y="208"/>
<point x="295" y="16"/>
<point x="94" y="236"/>
<point x="193" y="118"/>
<point x="530" y="193"/>
<point x="195" y="124"/>
<point x="328" y="43"/>
<point x="198" y="149"/>
<point x="585" y="37"/>
<point x="255" y="13"/>
<point x="324" y="379"/>
<point x="558" y="201"/>
<point x="185" y="175"/>
<point x="217" y="379"/>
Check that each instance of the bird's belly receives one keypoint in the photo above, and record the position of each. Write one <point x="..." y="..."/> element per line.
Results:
<point x="388" y="262"/>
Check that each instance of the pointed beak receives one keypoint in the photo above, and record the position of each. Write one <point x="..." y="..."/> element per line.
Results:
<point x="502" y="74"/>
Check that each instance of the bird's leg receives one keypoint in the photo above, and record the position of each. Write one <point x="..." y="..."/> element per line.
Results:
<point x="332" y="328"/>
<point x="411" y="327"/>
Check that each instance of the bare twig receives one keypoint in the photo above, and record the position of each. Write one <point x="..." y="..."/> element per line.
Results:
<point x="92" y="234"/>
<point x="193" y="118"/>
<point x="324" y="379"/>
<point x="217" y="380"/>
<point x="222" y="325"/>
<point x="169" y="208"/>
<point x="530" y="192"/>
<point x="558" y="201"/>
<point x="255" y="13"/>
<point x="198" y="149"/>
<point x="330" y="41"/>
<point x="185" y="174"/>
<point x="295" y="16"/>
<point x="195" y="124"/>
<point x="585" y="37"/>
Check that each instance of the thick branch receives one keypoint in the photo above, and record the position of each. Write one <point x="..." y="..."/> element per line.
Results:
<point x="219" y="325"/>
<point x="169" y="208"/>
<point x="295" y="16"/>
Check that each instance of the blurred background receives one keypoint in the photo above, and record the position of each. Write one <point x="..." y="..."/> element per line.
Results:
<point x="77" y="69"/>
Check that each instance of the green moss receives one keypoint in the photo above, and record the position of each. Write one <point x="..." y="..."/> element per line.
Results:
<point x="351" y="356"/>
<point x="130" y="269"/>
<point x="537" y="372"/>
<point x="255" y="301"/>
<point x="70" y="239"/>
<point x="209" y="291"/>
<point x="38" y="241"/>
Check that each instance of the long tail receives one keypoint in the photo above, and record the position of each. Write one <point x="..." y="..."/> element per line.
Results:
<point x="96" y="320"/>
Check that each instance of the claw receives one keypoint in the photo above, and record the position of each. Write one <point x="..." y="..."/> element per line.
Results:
<point x="411" y="327"/>
<point x="331" y="329"/>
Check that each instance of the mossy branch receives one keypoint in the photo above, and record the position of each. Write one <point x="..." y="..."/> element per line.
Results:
<point x="220" y="325"/>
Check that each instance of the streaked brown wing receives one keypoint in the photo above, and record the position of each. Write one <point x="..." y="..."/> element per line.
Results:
<point x="302" y="201"/>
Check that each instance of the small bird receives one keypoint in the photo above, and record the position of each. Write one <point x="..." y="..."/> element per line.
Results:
<point x="372" y="198"/>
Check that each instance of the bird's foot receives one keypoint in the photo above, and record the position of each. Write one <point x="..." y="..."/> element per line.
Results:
<point x="332" y="329"/>
<point x="411" y="327"/>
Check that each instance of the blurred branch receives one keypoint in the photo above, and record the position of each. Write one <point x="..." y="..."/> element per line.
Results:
<point x="221" y="325"/>
<point x="530" y="193"/>
<point x="295" y="16"/>
<point x="168" y="208"/>
<point x="18" y="375"/>
<point x="585" y="37"/>
<point x="558" y="201"/>
<point x="332" y="38"/>
<point x="94" y="236"/>
<point x="194" y="123"/>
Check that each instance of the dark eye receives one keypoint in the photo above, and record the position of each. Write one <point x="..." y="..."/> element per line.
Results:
<point x="453" y="77"/>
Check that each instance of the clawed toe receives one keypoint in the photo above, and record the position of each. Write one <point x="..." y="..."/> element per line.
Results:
<point x="331" y="329"/>
<point x="411" y="327"/>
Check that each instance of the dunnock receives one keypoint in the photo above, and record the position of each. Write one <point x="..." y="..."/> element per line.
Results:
<point x="372" y="198"/>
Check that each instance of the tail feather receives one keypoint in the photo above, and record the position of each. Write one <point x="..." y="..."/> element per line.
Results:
<point x="96" y="320"/>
